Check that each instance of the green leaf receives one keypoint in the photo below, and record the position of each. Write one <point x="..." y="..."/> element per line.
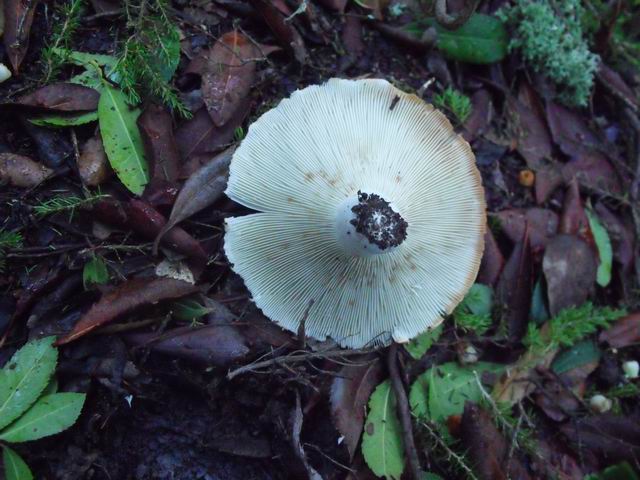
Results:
<point x="619" y="471"/>
<point x="95" y="272"/>
<point x="483" y="39"/>
<point x="24" y="377"/>
<point x="382" y="445"/>
<point x="14" y="466"/>
<point x="122" y="140"/>
<point x="419" y="345"/>
<point x="538" y="312"/>
<point x="430" y="476"/>
<point x="167" y="56"/>
<point x="479" y="299"/>
<point x="580" y="354"/>
<point x="605" y="252"/>
<point x="442" y="390"/>
<point x="188" y="309"/>
<point x="65" y="120"/>
<point x="51" y="414"/>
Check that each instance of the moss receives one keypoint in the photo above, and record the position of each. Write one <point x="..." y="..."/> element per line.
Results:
<point x="458" y="104"/>
<point x="550" y="38"/>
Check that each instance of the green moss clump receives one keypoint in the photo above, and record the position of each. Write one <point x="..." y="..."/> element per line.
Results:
<point x="549" y="36"/>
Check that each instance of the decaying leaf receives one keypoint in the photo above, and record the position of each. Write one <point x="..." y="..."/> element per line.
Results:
<point x="570" y="268"/>
<point x="93" y="165"/>
<point x="480" y="117"/>
<point x="156" y="129"/>
<point x="21" y="171"/>
<point x="492" y="261"/>
<point x="593" y="171"/>
<point x="350" y="392"/>
<point x="574" y="220"/>
<point x="624" y="332"/>
<point x="61" y="97"/>
<point x="18" y="18"/>
<point x="542" y="225"/>
<point x="128" y="296"/>
<point x="284" y="31"/>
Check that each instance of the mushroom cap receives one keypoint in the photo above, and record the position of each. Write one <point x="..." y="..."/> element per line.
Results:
<point x="302" y="159"/>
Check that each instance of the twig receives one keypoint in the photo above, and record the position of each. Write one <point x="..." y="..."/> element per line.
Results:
<point x="294" y="358"/>
<point x="451" y="22"/>
<point x="402" y="405"/>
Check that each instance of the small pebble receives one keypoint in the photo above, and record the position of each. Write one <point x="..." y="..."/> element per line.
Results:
<point x="630" y="369"/>
<point x="600" y="403"/>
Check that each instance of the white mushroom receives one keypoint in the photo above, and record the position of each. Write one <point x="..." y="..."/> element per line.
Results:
<point x="371" y="213"/>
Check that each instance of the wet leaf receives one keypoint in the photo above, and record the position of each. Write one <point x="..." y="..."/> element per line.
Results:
<point x="156" y="129"/>
<point x="569" y="267"/>
<point x="95" y="272"/>
<point x="542" y="224"/>
<point x="418" y="346"/>
<point x="14" y="466"/>
<point x="24" y="377"/>
<point x="18" y="18"/>
<point x="202" y="189"/>
<point x="623" y="333"/>
<point x="51" y="414"/>
<point x="62" y="97"/>
<point x="21" y="171"/>
<point x="492" y="261"/>
<point x="350" y="392"/>
<point x="513" y="292"/>
<point x="93" y="165"/>
<point x="229" y="73"/>
<point x="382" y="445"/>
<point x="130" y="295"/>
<point x="71" y="120"/>
<point x="481" y="40"/>
<point x="121" y="139"/>
<point x="605" y="252"/>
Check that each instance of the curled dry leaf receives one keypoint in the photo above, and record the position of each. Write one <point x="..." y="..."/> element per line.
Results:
<point x="492" y="260"/>
<point x="18" y="18"/>
<point x="574" y="220"/>
<point x="93" y="164"/>
<point x="570" y="268"/>
<point x="61" y="97"/>
<point x="350" y="392"/>
<point x="21" y="171"/>
<point x="202" y="189"/>
<point x="156" y="129"/>
<point x="623" y="333"/>
<point x="130" y="295"/>
<point x="542" y="224"/>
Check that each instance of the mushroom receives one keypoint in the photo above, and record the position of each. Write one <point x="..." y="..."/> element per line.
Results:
<point x="371" y="213"/>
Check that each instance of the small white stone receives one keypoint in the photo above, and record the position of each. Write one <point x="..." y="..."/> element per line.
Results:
<point x="5" y="73"/>
<point x="600" y="403"/>
<point x="631" y="369"/>
<point x="469" y="355"/>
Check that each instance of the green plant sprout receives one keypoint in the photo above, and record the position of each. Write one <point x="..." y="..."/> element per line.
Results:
<point x="8" y="240"/>
<point x="53" y="55"/>
<point x="30" y="405"/>
<point x="62" y="204"/>
<point x="455" y="102"/>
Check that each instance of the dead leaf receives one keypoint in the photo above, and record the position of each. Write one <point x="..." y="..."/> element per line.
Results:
<point x="350" y="393"/>
<point x="623" y="333"/>
<point x="593" y="171"/>
<point x="487" y="449"/>
<point x="93" y="165"/>
<point x="614" y="82"/>
<point x="570" y="268"/>
<point x="337" y="5"/>
<point x="481" y="115"/>
<point x="284" y="32"/>
<point x="569" y="130"/>
<point x="156" y="128"/>
<point x="542" y="224"/>
<point x="202" y="189"/>
<point x="574" y="219"/>
<point x="621" y="236"/>
<point x="21" y="171"/>
<point x="547" y="180"/>
<point x="492" y="260"/>
<point x="18" y="18"/>
<point x="61" y="97"/>
<point x="128" y="296"/>
<point x="297" y="418"/>
<point x="228" y="75"/>
<point x="513" y="292"/>
<point x="351" y="37"/>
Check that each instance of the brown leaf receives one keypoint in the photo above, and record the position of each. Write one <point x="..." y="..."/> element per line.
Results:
<point x="93" y="165"/>
<point x="615" y="83"/>
<point x="481" y="115"/>
<point x="200" y="136"/>
<point x="621" y="236"/>
<point x="570" y="268"/>
<point x="574" y="220"/>
<point x="350" y="393"/>
<point x="228" y="75"/>
<point x="21" y="171"/>
<point x="61" y="97"/>
<point x="337" y="5"/>
<point x="623" y="333"/>
<point x="156" y="128"/>
<point x="615" y="438"/>
<point x="542" y="223"/>
<point x="284" y="32"/>
<point x="487" y="448"/>
<point x="130" y="295"/>
<point x="18" y="17"/>
<point x="593" y="171"/>
<point x="547" y="180"/>
<point x="351" y="36"/>
<point x="202" y="189"/>
<point x="569" y="130"/>
<point x="513" y="292"/>
<point x="492" y="260"/>
<point x="214" y="345"/>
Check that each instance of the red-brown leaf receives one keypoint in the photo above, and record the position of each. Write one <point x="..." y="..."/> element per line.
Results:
<point x="574" y="220"/>
<point x="21" y="171"/>
<point x="569" y="130"/>
<point x="285" y="32"/>
<point x="93" y="164"/>
<point x="156" y="128"/>
<point x="61" y="97"/>
<point x="18" y="18"/>
<point x="543" y="225"/>
<point x="593" y="171"/>
<point x="481" y="115"/>
<point x="625" y="332"/>
<point x="492" y="260"/>
<point x="547" y="180"/>
<point x="130" y="295"/>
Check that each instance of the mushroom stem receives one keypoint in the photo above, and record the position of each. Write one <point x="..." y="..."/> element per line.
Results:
<point x="368" y="225"/>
